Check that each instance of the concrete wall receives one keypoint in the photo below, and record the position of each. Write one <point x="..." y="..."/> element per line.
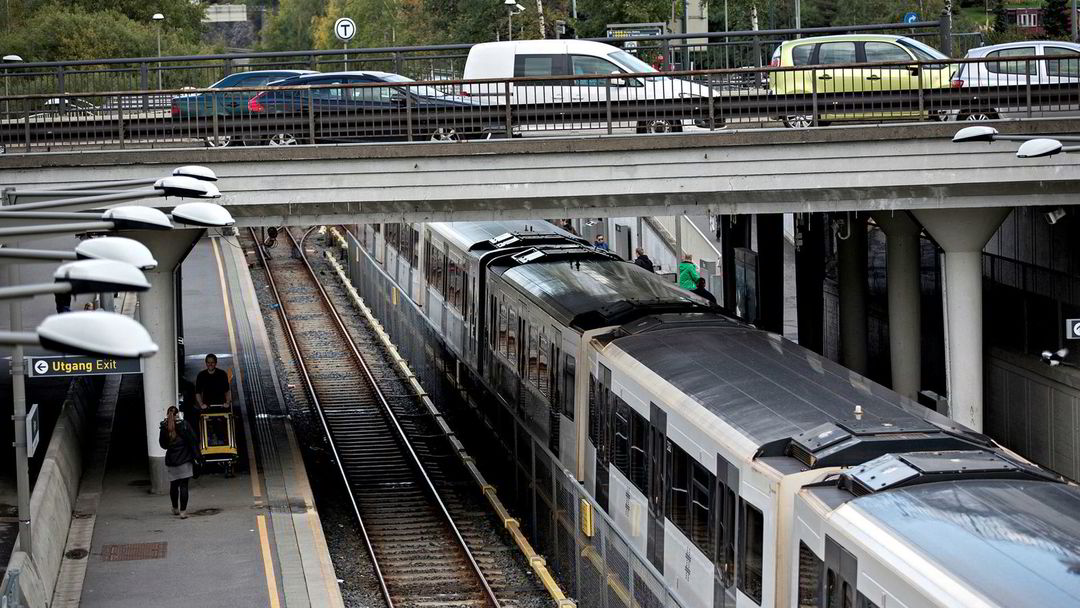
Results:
<point x="51" y="502"/>
<point x="1033" y="410"/>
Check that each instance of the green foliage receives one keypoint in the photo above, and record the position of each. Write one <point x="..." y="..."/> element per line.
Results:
<point x="1001" y="19"/>
<point x="291" y="27"/>
<point x="1056" y="19"/>
<point x="594" y="15"/>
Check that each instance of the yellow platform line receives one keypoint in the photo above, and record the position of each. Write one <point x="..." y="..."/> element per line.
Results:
<point x="268" y="563"/>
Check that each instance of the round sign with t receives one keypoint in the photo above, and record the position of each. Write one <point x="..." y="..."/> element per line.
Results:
<point x="911" y="17"/>
<point x="344" y="29"/>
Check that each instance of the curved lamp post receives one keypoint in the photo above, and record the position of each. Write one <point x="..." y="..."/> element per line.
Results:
<point x="94" y="333"/>
<point x="104" y="248"/>
<point x="95" y="188"/>
<point x="175" y="185"/>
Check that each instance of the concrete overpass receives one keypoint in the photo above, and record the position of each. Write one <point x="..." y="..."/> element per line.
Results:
<point x="865" y="168"/>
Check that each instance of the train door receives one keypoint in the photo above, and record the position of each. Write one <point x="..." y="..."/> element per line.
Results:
<point x="601" y="437"/>
<point x="841" y="575"/>
<point x="724" y="507"/>
<point x="654" y="547"/>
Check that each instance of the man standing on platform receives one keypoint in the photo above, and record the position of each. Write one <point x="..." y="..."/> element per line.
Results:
<point x="212" y="385"/>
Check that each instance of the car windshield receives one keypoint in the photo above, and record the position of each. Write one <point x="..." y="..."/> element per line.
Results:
<point x="630" y="62"/>
<point x="922" y="51"/>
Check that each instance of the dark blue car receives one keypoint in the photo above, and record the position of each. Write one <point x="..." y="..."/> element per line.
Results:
<point x="366" y="106"/>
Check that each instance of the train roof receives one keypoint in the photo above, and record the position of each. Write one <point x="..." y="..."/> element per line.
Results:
<point x="771" y="389"/>
<point x="468" y="235"/>
<point x="590" y="289"/>
<point x="1015" y="542"/>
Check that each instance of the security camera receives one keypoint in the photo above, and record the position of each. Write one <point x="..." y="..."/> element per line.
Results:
<point x="1052" y="217"/>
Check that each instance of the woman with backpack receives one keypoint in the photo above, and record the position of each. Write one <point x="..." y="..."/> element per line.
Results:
<point x="181" y="452"/>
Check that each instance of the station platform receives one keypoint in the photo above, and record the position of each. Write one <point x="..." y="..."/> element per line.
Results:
<point x="254" y="539"/>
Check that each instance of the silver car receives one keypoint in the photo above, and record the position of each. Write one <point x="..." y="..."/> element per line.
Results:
<point x="1032" y="78"/>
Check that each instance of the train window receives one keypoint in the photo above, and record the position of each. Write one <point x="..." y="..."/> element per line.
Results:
<point x="532" y="366"/>
<point x="511" y="338"/>
<point x="831" y="597"/>
<point x="594" y="415"/>
<point x="569" y="371"/>
<point x="751" y="549"/>
<point x="810" y="568"/>
<point x="849" y="595"/>
<point x="725" y="532"/>
<point x="622" y="435"/>
<point x="701" y="484"/>
<point x="503" y="335"/>
<point x="864" y="602"/>
<point x="543" y="371"/>
<point x="679" y="488"/>
<point x="639" y="437"/>
<point x="414" y="248"/>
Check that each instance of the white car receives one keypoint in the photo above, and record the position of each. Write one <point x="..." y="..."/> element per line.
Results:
<point x="1012" y="71"/>
<point x="543" y="59"/>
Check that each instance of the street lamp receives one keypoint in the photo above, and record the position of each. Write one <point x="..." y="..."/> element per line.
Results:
<point x="103" y="248"/>
<point x="512" y="8"/>
<point x="93" y="333"/>
<point x="1033" y="146"/>
<point x="7" y="89"/>
<point x="193" y="171"/>
<point x="158" y="18"/>
<point x="83" y="276"/>
<point x="22" y="224"/>
<point x="174" y="185"/>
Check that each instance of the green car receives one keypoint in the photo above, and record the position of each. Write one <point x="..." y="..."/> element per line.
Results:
<point x="850" y="54"/>
<point x="227" y="102"/>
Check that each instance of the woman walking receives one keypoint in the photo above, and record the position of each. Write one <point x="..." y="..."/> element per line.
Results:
<point x="181" y="452"/>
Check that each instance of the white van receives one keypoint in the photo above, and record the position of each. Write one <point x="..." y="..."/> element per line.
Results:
<point x="538" y="58"/>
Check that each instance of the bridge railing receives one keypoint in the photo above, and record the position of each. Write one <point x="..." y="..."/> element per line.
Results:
<point x="456" y="110"/>
<point x="711" y="50"/>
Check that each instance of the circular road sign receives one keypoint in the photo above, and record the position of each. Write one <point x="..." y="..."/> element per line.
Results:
<point x="344" y="29"/>
<point x="911" y="17"/>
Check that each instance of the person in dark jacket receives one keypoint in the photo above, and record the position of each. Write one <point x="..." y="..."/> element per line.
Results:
<point x="643" y="260"/>
<point x="705" y="293"/>
<point x="181" y="452"/>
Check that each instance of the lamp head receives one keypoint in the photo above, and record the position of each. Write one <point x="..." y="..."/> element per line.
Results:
<point x="95" y="276"/>
<point x="133" y="217"/>
<point x="207" y="215"/>
<point x="196" y="171"/>
<point x="12" y="58"/>
<point x="158" y="17"/>
<point x="1036" y="148"/>
<point x="116" y="248"/>
<point x="978" y="133"/>
<point x="184" y="186"/>
<point x="95" y="333"/>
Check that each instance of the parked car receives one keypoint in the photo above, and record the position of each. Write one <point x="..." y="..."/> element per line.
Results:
<point x="541" y="58"/>
<point x="1057" y="64"/>
<point x="850" y="53"/>
<point x="361" y="113"/>
<point x="228" y="102"/>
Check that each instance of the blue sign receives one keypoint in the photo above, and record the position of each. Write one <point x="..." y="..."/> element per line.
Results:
<point x="911" y="17"/>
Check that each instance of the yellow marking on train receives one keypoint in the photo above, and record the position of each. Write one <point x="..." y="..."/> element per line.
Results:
<point x="256" y="487"/>
<point x="268" y="563"/>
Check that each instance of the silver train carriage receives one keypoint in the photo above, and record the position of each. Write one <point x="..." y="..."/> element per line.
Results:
<point x="748" y="470"/>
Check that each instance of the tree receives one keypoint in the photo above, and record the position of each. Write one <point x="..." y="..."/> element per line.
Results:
<point x="291" y="27"/>
<point x="1056" y="19"/>
<point x="1001" y="18"/>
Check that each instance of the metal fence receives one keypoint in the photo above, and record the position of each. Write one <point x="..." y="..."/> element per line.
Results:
<point x="710" y="50"/>
<point x="599" y="569"/>
<point x="797" y="96"/>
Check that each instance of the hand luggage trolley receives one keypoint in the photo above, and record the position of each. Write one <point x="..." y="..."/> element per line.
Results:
<point x="217" y="432"/>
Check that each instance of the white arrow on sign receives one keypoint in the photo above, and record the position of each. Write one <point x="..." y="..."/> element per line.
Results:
<point x="41" y="367"/>
<point x="1076" y="328"/>
<point x="344" y="29"/>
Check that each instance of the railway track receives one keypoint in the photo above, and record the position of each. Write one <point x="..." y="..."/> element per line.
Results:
<point x="390" y="456"/>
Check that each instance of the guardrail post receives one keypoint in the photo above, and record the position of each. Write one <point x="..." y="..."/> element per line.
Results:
<point x="757" y="59"/>
<point x="509" y="125"/>
<point x="813" y="98"/>
<point x="607" y="102"/>
<point x="712" y="111"/>
<point x="26" y="130"/>
<point x="314" y="62"/>
<point x="214" y="118"/>
<point x="397" y="63"/>
<point x="228" y="66"/>
<point x="144" y="84"/>
<point x="60" y="88"/>
<point x="1027" y="85"/>
<point x="922" y="103"/>
<point x="311" y="116"/>
<point x="408" y="115"/>
<point x="945" y="33"/>
<point x="120" y="120"/>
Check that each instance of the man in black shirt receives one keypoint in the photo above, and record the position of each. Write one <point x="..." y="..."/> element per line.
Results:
<point x="212" y="385"/>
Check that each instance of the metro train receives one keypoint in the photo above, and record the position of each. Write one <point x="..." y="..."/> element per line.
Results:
<point x="748" y="470"/>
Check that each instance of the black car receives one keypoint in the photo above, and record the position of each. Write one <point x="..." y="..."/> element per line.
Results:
<point x="366" y="106"/>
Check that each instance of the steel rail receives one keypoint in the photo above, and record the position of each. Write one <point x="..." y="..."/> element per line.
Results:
<point x="295" y="347"/>
<point x="397" y="425"/>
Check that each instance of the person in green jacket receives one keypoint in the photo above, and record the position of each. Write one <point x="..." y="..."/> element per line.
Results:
<point x="688" y="274"/>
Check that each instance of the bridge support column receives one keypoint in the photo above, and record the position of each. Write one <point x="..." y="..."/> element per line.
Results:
<point x="734" y="233"/>
<point x="770" y="244"/>
<point x="157" y="310"/>
<point x="962" y="233"/>
<point x="851" y="259"/>
<point x="904" y="289"/>
<point x="809" y="276"/>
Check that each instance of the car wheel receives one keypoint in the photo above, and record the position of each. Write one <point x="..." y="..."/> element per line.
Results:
<point x="282" y="139"/>
<point x="975" y="115"/>
<point x="798" y="121"/>
<point x="221" y="141"/>
<point x="659" y="126"/>
<point x="442" y="134"/>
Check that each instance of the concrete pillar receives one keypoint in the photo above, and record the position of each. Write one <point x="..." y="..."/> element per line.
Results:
<point x="904" y="289"/>
<point x="157" y="310"/>
<point x="962" y="233"/>
<point x="734" y="233"/>
<point x="809" y="277"/>
<point x="851" y="262"/>
<point x="770" y="243"/>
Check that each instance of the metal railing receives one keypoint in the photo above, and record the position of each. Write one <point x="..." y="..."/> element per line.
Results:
<point x="454" y="110"/>
<point x="709" y="50"/>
